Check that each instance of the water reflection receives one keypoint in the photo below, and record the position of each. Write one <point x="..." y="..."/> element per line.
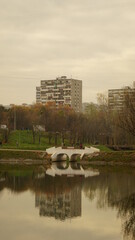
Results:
<point x="60" y="202"/>
<point x="115" y="190"/>
<point x="69" y="169"/>
<point x="63" y="198"/>
<point x="59" y="195"/>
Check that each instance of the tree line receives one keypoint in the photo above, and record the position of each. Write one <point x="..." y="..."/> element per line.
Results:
<point x="97" y="125"/>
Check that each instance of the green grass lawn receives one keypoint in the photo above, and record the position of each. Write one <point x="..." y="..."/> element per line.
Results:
<point x="103" y="148"/>
<point x="23" y="139"/>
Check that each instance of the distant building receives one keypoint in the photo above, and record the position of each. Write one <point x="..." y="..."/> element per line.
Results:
<point x="38" y="95"/>
<point x="116" y="97"/>
<point x="61" y="91"/>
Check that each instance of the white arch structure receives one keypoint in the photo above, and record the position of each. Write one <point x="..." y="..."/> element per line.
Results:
<point x="70" y="151"/>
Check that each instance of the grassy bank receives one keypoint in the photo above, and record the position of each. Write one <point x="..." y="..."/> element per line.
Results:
<point x="4" y="154"/>
<point x="23" y="139"/>
<point x="114" y="157"/>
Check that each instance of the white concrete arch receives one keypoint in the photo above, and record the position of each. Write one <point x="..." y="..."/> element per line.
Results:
<point x="70" y="151"/>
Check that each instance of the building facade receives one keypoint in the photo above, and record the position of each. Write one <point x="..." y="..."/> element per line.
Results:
<point x="62" y="91"/>
<point x="116" y="97"/>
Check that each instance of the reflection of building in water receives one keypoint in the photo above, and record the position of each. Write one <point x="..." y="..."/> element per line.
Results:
<point x="61" y="195"/>
<point x="60" y="205"/>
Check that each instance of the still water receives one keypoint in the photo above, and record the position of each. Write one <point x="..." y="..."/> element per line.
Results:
<point x="67" y="202"/>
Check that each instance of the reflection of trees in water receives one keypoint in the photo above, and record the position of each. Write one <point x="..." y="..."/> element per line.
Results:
<point x="57" y="184"/>
<point x="115" y="190"/>
<point x="58" y="197"/>
<point x="110" y="189"/>
<point x="16" y="178"/>
<point x="47" y="184"/>
<point x="126" y="210"/>
<point x="16" y="184"/>
<point x="96" y="187"/>
<point x="21" y="180"/>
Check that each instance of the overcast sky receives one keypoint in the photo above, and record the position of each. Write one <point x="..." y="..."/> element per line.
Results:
<point x="91" y="40"/>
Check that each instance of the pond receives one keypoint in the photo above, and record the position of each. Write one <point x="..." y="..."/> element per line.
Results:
<point x="67" y="202"/>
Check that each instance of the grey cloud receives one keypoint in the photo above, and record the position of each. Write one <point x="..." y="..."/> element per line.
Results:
<point x="91" y="39"/>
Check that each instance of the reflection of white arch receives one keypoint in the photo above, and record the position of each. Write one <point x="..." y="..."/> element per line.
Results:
<point x="41" y="168"/>
<point x="2" y="179"/>
<point x="40" y="172"/>
<point x="55" y="152"/>
<point x="70" y="171"/>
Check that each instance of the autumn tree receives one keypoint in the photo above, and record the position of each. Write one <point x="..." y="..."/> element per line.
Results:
<point x="127" y="113"/>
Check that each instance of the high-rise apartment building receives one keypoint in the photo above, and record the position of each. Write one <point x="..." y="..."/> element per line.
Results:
<point x="38" y="95"/>
<point x="62" y="91"/>
<point x="116" y="97"/>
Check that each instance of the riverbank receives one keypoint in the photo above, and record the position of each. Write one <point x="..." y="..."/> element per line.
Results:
<point x="41" y="157"/>
<point x="23" y="156"/>
<point x="111" y="158"/>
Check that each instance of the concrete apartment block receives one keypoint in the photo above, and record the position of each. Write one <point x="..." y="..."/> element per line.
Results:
<point x="62" y="91"/>
<point x="38" y="95"/>
<point x="116" y="97"/>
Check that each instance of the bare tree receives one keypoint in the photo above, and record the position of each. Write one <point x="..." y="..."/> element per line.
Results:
<point x="126" y="118"/>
